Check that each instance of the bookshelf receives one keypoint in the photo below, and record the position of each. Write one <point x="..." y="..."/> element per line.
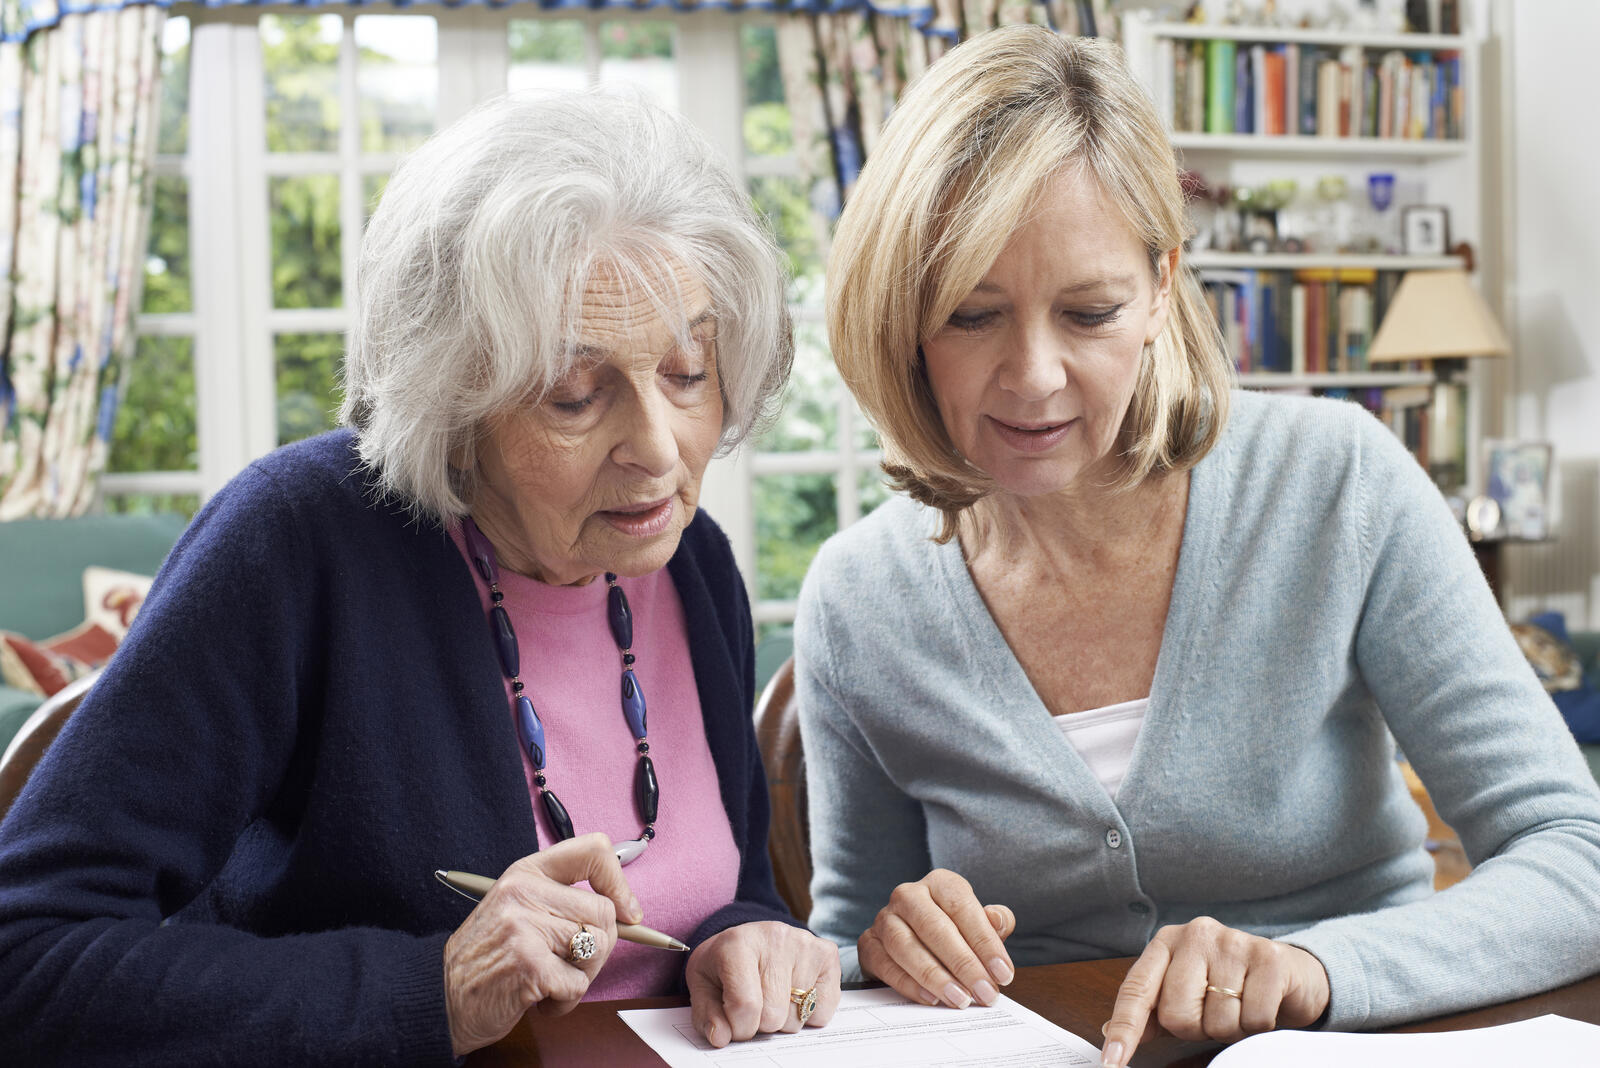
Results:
<point x="1316" y="110"/>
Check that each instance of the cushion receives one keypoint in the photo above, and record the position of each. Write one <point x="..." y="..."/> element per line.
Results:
<point x="1545" y="643"/>
<point x="38" y="668"/>
<point x="112" y="598"/>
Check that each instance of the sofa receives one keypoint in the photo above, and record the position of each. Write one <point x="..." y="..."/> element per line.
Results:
<point x="42" y="562"/>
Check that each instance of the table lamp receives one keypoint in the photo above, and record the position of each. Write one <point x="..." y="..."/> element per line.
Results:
<point x="1438" y="316"/>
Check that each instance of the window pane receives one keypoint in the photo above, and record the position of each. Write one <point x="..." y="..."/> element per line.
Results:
<point x="640" y="53"/>
<point x="866" y="436"/>
<point x="787" y="208"/>
<point x="397" y="75"/>
<point x="794" y="515"/>
<point x="305" y="241"/>
<point x="185" y="504"/>
<point x="871" y="489"/>
<point x="300" y="57"/>
<point x="810" y="418"/>
<point x="308" y="376"/>
<point x="155" y="427"/>
<point x="166" y="263"/>
<point x="766" y="118"/>
<point x="372" y="187"/>
<point x="546" y="54"/>
<point x="172" y="134"/>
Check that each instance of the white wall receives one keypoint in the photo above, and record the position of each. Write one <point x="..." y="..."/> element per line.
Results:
<point x="1553" y="290"/>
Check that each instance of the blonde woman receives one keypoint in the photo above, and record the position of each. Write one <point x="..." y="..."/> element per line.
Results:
<point x="1119" y="674"/>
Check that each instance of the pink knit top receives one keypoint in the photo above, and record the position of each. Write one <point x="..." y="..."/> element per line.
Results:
<point x="571" y="670"/>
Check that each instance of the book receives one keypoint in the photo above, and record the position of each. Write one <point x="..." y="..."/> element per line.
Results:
<point x="1291" y="89"/>
<point x="1162" y="92"/>
<point x="1297" y="329"/>
<point x="1243" y="94"/>
<point x="1271" y="92"/>
<point x="1327" y="96"/>
<point x="1196" y="91"/>
<point x="1219" y="86"/>
<point x="1310" y="66"/>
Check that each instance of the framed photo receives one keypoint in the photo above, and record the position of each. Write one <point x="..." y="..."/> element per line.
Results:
<point x="1519" y="482"/>
<point x="1425" y="230"/>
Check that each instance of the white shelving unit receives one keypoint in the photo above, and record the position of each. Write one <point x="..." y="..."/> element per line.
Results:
<point x="1294" y="261"/>
<point x="1346" y="380"/>
<point x="1444" y="172"/>
<point x="1293" y="146"/>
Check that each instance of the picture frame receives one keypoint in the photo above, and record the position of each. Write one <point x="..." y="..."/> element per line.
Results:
<point x="1518" y="479"/>
<point x="1425" y="230"/>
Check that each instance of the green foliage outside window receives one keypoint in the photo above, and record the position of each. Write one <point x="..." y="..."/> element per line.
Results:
<point x="794" y="514"/>
<point x="307" y="378"/>
<point x="155" y="426"/>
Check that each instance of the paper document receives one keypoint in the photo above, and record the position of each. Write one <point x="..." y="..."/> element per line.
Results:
<point x="1552" y="1040"/>
<point x="879" y="1029"/>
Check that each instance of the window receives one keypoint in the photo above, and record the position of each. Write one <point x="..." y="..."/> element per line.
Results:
<point x="265" y="181"/>
<point x="816" y="471"/>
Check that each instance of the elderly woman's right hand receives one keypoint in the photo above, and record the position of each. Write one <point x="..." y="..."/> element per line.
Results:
<point x="934" y="942"/>
<point x="511" y="953"/>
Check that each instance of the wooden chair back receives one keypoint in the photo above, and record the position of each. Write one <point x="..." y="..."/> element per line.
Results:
<point x="789" y="839"/>
<point x="38" y="731"/>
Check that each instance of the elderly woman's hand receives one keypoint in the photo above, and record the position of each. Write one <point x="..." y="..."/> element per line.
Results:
<point x="1206" y="981"/>
<point x="512" y="952"/>
<point x="935" y="942"/>
<point x="742" y="981"/>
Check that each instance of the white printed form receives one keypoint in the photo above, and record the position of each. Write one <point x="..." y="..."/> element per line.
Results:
<point x="878" y="1029"/>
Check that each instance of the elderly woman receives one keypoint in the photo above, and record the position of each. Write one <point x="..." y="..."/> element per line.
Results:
<point x="426" y="643"/>
<point x="1122" y="674"/>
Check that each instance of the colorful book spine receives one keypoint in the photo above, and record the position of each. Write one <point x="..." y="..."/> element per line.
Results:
<point x="1220" y="77"/>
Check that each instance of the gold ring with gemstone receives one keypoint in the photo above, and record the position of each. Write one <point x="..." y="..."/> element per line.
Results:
<point x="582" y="945"/>
<point x="1224" y="991"/>
<point x="805" y="1003"/>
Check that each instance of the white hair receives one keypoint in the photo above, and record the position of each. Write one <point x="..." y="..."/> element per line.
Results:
<point x="472" y="273"/>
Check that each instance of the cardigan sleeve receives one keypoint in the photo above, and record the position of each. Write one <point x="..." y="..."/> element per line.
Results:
<point x="1498" y="763"/>
<point x="867" y="834"/>
<point x="183" y="745"/>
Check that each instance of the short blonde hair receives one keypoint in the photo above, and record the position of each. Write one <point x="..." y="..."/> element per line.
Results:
<point x="961" y="162"/>
<point x="473" y="269"/>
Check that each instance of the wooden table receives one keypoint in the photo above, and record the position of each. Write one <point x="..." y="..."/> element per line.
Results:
<point x="1077" y="997"/>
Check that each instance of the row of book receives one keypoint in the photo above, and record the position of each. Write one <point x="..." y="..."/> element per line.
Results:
<point x="1299" y="322"/>
<point x="1221" y="87"/>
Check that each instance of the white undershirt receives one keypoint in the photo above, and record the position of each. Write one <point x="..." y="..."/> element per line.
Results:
<point x="1104" y="737"/>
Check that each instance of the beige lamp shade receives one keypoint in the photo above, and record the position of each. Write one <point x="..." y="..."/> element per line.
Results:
<point x="1437" y="315"/>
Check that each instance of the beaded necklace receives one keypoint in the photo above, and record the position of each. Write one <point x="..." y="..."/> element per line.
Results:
<point x="646" y="790"/>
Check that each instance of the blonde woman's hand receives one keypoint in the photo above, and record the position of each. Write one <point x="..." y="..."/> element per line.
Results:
<point x="1202" y="980"/>
<point x="935" y="943"/>
<point x="511" y="953"/>
<point x="741" y="981"/>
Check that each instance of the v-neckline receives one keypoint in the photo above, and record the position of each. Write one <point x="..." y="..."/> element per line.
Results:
<point x="1164" y="717"/>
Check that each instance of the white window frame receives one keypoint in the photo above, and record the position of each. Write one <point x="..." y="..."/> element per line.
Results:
<point x="228" y="169"/>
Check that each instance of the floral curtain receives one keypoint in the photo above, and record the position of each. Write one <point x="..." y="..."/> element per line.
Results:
<point x="843" y="72"/>
<point x="77" y="115"/>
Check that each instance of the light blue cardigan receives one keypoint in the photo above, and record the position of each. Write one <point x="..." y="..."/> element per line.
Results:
<point x="1324" y="598"/>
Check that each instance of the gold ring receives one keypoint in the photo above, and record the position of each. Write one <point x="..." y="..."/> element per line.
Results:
<point x="805" y="1003"/>
<point x="582" y="945"/>
<point x="1224" y="991"/>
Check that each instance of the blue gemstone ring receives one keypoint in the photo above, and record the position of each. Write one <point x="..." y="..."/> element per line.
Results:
<point x="805" y="1003"/>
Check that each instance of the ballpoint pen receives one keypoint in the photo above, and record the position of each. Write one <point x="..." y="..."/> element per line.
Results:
<point x="475" y="886"/>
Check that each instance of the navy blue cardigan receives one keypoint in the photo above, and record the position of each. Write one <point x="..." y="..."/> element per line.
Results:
<point x="227" y="856"/>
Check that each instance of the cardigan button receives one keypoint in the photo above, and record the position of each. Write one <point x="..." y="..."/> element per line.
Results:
<point x="1138" y="908"/>
<point x="1114" y="838"/>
